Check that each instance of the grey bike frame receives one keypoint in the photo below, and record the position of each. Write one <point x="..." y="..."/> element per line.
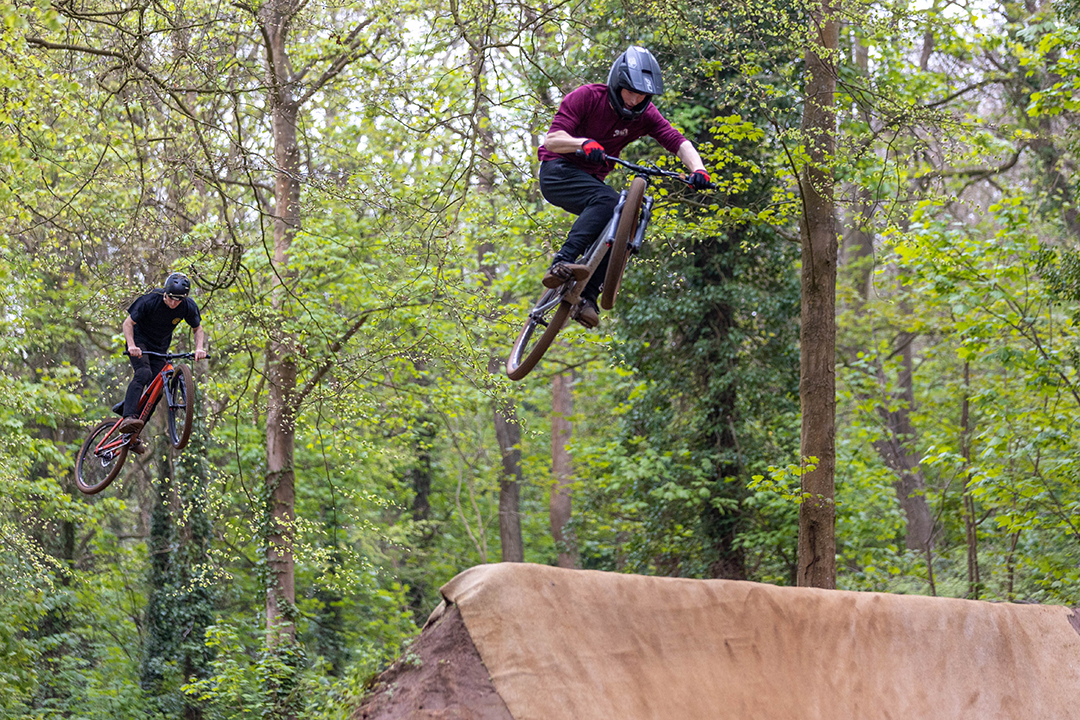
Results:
<point x="597" y="251"/>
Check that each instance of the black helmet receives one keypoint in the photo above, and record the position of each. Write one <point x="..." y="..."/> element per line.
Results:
<point x="177" y="284"/>
<point x="637" y="70"/>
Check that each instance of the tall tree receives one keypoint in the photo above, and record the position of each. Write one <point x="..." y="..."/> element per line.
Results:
<point x="509" y="440"/>
<point x="817" y="512"/>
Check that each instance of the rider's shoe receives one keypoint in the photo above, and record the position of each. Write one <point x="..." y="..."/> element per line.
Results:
<point x="587" y="313"/>
<point x="138" y="447"/>
<point x="560" y="272"/>
<point x="118" y="408"/>
<point x="130" y="425"/>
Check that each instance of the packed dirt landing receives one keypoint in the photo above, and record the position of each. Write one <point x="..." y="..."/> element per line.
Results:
<point x="604" y="646"/>
<point x="440" y="677"/>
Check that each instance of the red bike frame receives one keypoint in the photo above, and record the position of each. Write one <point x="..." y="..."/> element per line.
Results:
<point x="147" y="403"/>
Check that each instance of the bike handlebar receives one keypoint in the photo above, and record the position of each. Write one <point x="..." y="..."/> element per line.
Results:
<point x="167" y="356"/>
<point x="650" y="170"/>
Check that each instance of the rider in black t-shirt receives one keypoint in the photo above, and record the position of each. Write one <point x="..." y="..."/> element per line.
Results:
<point x="149" y="326"/>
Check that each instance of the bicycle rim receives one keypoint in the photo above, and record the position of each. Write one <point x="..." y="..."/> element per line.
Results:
<point x="545" y="321"/>
<point x="94" y="472"/>
<point x="181" y="406"/>
<point x="620" y="247"/>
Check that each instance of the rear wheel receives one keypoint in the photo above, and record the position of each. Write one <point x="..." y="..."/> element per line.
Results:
<point x="182" y="406"/>
<point x="94" y="471"/>
<point x="620" y="246"/>
<point x="545" y="321"/>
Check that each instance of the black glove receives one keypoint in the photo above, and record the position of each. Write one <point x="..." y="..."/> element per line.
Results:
<point x="594" y="152"/>
<point x="699" y="180"/>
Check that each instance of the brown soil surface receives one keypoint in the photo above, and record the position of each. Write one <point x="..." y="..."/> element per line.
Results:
<point x="440" y="677"/>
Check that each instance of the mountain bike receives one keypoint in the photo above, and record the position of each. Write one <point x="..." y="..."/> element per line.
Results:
<point x="622" y="237"/>
<point x="105" y="450"/>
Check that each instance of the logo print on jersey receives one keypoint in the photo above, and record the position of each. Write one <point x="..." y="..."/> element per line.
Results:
<point x="176" y="321"/>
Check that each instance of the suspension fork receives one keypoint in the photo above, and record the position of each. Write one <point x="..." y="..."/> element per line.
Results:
<point x="166" y="391"/>
<point x="646" y="215"/>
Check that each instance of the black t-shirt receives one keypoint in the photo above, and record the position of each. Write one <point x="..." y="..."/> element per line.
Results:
<point x="155" y="321"/>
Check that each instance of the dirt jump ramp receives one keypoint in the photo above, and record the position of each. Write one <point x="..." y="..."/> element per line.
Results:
<point x="591" y="645"/>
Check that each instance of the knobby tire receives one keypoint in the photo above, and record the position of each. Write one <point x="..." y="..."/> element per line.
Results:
<point x="182" y="407"/>
<point x="528" y="348"/>
<point x="620" y="247"/>
<point x="93" y="474"/>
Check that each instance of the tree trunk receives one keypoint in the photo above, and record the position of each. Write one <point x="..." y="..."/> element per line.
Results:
<point x="280" y="355"/>
<point x="898" y="453"/>
<point x="508" y="433"/>
<point x="971" y="528"/>
<point x="196" y="596"/>
<point x="180" y="604"/>
<point x="281" y="374"/>
<point x="159" y="647"/>
<point x="419" y="476"/>
<point x="562" y="407"/>
<point x="817" y="392"/>
<point x="420" y="473"/>
<point x="507" y="430"/>
<point x="897" y="450"/>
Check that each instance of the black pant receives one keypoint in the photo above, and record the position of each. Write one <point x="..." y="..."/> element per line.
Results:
<point x="569" y="187"/>
<point x="146" y="367"/>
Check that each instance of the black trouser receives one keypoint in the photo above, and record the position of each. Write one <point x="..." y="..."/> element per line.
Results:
<point x="146" y="367"/>
<point x="569" y="187"/>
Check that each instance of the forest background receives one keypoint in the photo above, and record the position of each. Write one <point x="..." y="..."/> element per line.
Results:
<point x="351" y="187"/>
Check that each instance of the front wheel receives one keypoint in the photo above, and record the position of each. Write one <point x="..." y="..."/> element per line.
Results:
<point x="545" y="321"/>
<point x="620" y="246"/>
<point x="181" y="405"/>
<point x="96" y="467"/>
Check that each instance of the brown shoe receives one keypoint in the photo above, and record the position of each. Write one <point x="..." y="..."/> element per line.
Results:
<point x="138" y="447"/>
<point x="130" y="425"/>
<point x="561" y="272"/>
<point x="587" y="314"/>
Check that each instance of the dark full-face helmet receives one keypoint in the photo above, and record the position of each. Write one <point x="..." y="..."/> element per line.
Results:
<point x="177" y="285"/>
<point x="637" y="70"/>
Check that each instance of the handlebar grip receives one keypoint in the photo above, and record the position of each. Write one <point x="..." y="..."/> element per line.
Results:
<point x="709" y="186"/>
<point x="581" y="154"/>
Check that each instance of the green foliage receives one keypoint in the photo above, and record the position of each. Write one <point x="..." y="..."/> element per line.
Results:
<point x="248" y="679"/>
<point x="422" y="239"/>
<point x="997" y="343"/>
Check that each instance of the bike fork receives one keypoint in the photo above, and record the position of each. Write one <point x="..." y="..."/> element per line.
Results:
<point x="639" y="235"/>
<point x="166" y="393"/>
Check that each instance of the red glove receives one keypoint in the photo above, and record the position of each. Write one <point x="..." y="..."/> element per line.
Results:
<point x="699" y="180"/>
<point x="594" y="152"/>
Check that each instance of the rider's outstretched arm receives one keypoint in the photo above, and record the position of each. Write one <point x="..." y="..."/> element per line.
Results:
<point x="689" y="155"/>
<point x="200" y="341"/>
<point x="562" y="142"/>
<point x="128" y="328"/>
